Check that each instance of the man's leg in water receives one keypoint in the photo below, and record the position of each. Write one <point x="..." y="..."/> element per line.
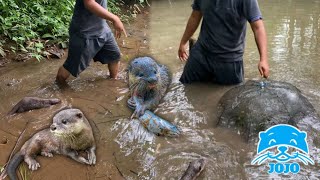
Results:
<point x="81" y="51"/>
<point x="62" y="76"/>
<point x="114" y="69"/>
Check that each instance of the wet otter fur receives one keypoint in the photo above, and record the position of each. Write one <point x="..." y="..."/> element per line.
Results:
<point x="69" y="133"/>
<point x="30" y="103"/>
<point x="194" y="169"/>
<point x="148" y="82"/>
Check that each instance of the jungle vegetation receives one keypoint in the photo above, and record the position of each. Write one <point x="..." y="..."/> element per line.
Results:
<point x="32" y="25"/>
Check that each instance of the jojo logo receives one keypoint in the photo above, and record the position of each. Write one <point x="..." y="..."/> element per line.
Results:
<point x="283" y="137"/>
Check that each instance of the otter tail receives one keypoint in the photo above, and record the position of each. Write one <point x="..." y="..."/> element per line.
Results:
<point x="13" y="165"/>
<point x="14" y="109"/>
<point x="54" y="101"/>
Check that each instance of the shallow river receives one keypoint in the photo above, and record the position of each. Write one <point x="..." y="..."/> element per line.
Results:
<point x="293" y="29"/>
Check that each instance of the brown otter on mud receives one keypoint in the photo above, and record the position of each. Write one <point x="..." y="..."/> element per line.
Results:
<point x="69" y="133"/>
<point x="29" y="103"/>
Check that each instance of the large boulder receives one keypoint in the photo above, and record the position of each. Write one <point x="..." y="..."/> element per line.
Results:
<point x="255" y="106"/>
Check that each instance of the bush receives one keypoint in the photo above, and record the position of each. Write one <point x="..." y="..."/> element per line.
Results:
<point x="32" y="24"/>
<point x="26" y="22"/>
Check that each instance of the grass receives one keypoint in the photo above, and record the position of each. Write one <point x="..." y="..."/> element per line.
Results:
<point x="1" y="168"/>
<point x="24" y="172"/>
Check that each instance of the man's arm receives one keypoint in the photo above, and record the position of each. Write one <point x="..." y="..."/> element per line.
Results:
<point x="192" y="26"/>
<point x="261" y="41"/>
<point x="100" y="11"/>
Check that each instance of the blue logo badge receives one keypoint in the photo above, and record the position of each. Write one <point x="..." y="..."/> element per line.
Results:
<point x="283" y="137"/>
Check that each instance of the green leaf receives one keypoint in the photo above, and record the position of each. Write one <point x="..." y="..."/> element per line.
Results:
<point x="22" y="48"/>
<point x="13" y="48"/>
<point x="39" y="45"/>
<point x="63" y="45"/>
<point x="21" y="38"/>
<point x="38" y="57"/>
<point x="48" y="36"/>
<point x="2" y="53"/>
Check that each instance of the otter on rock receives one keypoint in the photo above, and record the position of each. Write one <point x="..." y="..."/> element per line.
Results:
<point x="29" y="103"/>
<point x="69" y="133"/>
<point x="148" y="82"/>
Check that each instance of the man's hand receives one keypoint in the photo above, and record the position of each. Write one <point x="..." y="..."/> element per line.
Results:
<point x="192" y="25"/>
<point x="118" y="27"/>
<point x="182" y="53"/>
<point x="261" y="41"/>
<point x="263" y="67"/>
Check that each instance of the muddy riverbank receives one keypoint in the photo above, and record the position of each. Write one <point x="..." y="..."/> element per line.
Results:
<point x="102" y="100"/>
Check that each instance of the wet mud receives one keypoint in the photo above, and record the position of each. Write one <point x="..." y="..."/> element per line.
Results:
<point x="102" y="100"/>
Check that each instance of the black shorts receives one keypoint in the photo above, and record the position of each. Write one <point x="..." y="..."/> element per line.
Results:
<point x="202" y="67"/>
<point x="81" y="50"/>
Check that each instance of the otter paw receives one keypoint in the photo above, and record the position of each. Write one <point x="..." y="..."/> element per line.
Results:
<point x="92" y="158"/>
<point x="138" y="112"/>
<point x="46" y="154"/>
<point x="33" y="165"/>
<point x="84" y="161"/>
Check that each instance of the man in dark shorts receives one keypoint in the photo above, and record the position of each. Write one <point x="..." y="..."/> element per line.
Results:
<point x="91" y="38"/>
<point x="217" y="55"/>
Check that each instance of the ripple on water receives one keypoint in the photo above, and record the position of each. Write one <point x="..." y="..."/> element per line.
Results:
<point x="176" y="105"/>
<point x="169" y="157"/>
<point x="161" y="157"/>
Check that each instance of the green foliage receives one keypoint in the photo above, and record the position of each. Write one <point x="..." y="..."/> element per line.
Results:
<point x="114" y="6"/>
<point x="2" y="53"/>
<point x="26" y="22"/>
<point x="33" y="24"/>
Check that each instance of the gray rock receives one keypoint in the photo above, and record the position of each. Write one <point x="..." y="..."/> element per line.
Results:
<point x="256" y="106"/>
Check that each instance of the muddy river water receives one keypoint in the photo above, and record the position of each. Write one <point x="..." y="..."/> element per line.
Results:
<point x="125" y="148"/>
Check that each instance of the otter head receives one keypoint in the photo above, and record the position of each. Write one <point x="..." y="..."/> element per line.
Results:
<point x="144" y="70"/>
<point x="68" y="123"/>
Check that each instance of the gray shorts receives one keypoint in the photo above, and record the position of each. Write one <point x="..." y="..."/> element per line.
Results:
<point x="203" y="67"/>
<point x="82" y="50"/>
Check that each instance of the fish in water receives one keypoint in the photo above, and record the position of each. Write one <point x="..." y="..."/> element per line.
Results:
<point x="30" y="103"/>
<point x="158" y="125"/>
<point x="148" y="83"/>
<point x="194" y="169"/>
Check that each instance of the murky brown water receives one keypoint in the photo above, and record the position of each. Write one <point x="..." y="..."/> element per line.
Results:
<point x="293" y="29"/>
<point x="124" y="147"/>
